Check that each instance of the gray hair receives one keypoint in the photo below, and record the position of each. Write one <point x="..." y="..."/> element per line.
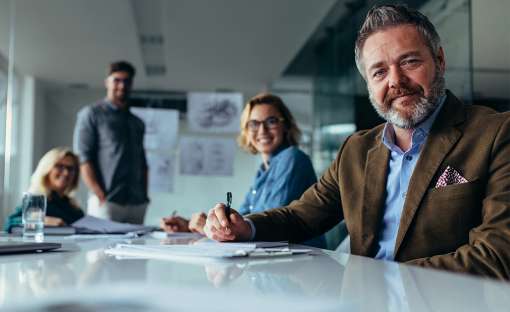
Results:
<point x="386" y="16"/>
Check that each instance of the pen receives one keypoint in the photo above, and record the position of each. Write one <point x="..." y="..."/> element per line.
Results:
<point x="227" y="208"/>
<point x="174" y="213"/>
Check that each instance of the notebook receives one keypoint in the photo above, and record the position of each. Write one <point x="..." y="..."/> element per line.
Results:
<point x="24" y="247"/>
<point x="48" y="230"/>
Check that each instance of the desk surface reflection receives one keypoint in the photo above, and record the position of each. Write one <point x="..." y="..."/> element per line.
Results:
<point x="82" y="276"/>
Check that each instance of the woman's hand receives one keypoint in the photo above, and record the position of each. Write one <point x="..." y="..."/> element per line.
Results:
<point x="197" y="223"/>
<point x="221" y="228"/>
<point x="174" y="224"/>
<point x="54" y="221"/>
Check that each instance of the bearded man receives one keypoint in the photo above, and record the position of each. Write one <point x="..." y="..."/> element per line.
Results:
<point x="430" y="187"/>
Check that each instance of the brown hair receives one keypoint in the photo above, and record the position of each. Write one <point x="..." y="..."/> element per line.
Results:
<point x="122" y="66"/>
<point x="293" y="134"/>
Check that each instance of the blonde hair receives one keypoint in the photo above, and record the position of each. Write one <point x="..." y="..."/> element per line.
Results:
<point x="292" y="132"/>
<point x="39" y="183"/>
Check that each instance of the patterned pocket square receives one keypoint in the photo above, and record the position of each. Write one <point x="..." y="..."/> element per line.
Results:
<point x="450" y="176"/>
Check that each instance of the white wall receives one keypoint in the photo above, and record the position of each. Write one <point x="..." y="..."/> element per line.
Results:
<point x="190" y="194"/>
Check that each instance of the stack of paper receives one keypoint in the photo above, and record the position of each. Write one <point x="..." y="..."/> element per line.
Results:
<point x="203" y="250"/>
<point x="215" y="244"/>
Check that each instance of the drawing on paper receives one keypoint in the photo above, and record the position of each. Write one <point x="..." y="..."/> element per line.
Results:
<point x="210" y="157"/>
<point x="214" y="112"/>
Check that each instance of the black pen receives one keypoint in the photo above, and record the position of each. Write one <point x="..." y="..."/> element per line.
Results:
<point x="229" y="203"/>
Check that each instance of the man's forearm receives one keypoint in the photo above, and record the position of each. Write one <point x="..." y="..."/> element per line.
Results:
<point x="90" y="179"/>
<point x="474" y="259"/>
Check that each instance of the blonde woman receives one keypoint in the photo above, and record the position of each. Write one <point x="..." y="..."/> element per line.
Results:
<point x="269" y="130"/>
<point x="56" y="176"/>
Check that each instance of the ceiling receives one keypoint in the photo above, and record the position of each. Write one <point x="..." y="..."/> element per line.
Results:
<point x="203" y="45"/>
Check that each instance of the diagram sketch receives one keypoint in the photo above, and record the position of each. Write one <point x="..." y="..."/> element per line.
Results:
<point x="161" y="172"/>
<point x="207" y="156"/>
<point x="161" y="127"/>
<point x="214" y="112"/>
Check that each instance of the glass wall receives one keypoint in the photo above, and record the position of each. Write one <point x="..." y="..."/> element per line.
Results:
<point x="341" y="103"/>
<point x="4" y="69"/>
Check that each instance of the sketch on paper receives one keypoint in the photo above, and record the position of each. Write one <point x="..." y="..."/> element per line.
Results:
<point x="161" y="127"/>
<point x="161" y="171"/>
<point x="207" y="156"/>
<point x="214" y="112"/>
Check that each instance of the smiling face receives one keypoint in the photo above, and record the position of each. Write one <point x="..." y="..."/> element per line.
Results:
<point x="266" y="139"/>
<point x="118" y="87"/>
<point x="403" y="78"/>
<point x="62" y="175"/>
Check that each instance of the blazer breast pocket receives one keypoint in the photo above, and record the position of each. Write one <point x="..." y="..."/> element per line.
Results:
<point x="456" y="191"/>
<point x="447" y="214"/>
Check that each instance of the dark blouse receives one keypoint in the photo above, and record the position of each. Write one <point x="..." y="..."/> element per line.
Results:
<point x="56" y="206"/>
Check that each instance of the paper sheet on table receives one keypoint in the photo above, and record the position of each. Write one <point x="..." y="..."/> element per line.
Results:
<point x="163" y="235"/>
<point x="91" y="225"/>
<point x="251" y="245"/>
<point x="199" y="253"/>
<point x="169" y="251"/>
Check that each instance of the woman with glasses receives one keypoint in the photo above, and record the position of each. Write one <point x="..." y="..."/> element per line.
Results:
<point x="269" y="129"/>
<point x="56" y="176"/>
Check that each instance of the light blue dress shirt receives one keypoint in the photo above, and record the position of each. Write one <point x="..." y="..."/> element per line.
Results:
<point x="400" y="168"/>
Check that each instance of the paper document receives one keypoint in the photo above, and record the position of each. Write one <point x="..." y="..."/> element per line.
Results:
<point x="93" y="225"/>
<point x="162" y="251"/>
<point x="197" y="251"/>
<point x="163" y="235"/>
<point x="242" y="244"/>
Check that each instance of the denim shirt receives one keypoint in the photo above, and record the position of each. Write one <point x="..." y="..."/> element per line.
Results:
<point x="290" y="173"/>
<point x="400" y="168"/>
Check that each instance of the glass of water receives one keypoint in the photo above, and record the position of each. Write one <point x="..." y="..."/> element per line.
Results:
<point x="33" y="213"/>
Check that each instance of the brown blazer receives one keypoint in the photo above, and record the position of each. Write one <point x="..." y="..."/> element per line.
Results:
<point x="462" y="227"/>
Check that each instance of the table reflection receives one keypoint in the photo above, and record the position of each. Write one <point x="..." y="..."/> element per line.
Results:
<point x="308" y="275"/>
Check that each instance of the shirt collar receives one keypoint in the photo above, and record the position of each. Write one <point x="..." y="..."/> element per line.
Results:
<point x="274" y="156"/>
<point x="112" y="106"/>
<point x="419" y="133"/>
<point x="278" y="151"/>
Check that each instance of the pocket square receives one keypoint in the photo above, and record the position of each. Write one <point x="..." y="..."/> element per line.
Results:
<point x="450" y="176"/>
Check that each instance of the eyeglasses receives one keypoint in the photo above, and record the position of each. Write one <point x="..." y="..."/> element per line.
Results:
<point x="61" y="168"/>
<point x="270" y="123"/>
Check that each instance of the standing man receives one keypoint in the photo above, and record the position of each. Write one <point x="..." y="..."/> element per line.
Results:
<point x="109" y="142"/>
<point x="430" y="187"/>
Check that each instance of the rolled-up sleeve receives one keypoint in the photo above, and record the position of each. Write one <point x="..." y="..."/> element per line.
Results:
<point x="85" y="135"/>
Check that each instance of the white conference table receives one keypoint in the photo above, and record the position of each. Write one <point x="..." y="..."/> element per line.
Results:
<point x="81" y="277"/>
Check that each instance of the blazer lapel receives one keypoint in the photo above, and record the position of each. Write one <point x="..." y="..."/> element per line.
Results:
<point x="374" y="193"/>
<point x="440" y="141"/>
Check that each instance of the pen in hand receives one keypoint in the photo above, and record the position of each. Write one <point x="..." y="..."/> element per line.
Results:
<point x="229" y="203"/>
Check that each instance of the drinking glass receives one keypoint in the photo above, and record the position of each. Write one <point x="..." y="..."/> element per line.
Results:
<point x="33" y="213"/>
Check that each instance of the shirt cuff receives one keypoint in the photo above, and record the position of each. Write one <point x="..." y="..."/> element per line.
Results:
<point x="253" y="230"/>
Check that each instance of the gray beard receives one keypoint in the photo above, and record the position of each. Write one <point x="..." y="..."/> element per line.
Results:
<point x="422" y="108"/>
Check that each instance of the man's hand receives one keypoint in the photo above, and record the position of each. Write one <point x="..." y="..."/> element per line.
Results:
<point x="197" y="223"/>
<point x="54" y="221"/>
<point x="221" y="228"/>
<point x="174" y="224"/>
